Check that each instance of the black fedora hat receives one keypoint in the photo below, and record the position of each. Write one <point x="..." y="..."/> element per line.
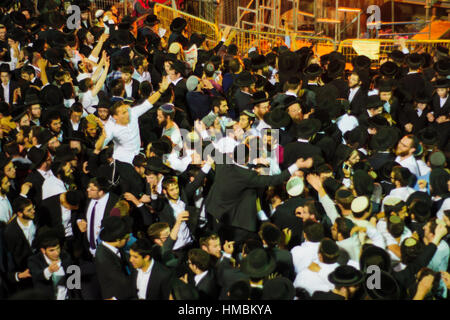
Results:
<point x="258" y="263"/>
<point x="389" y="69"/>
<point x="259" y="97"/>
<point x="151" y="20"/>
<point x="64" y="153"/>
<point x="4" y="67"/>
<point x="155" y="164"/>
<point x="178" y="24"/>
<point x="378" y="122"/>
<point x="37" y="156"/>
<point x="307" y="128"/>
<point x="18" y="18"/>
<point x="361" y="62"/>
<point x="244" y="79"/>
<point x="313" y="71"/>
<point x="258" y="62"/>
<point x="374" y="255"/>
<point x="428" y="136"/>
<point x="388" y="289"/>
<point x="277" y="118"/>
<point x="441" y="83"/>
<point x="289" y="101"/>
<point x="346" y="276"/>
<point x="76" y="136"/>
<point x="422" y="97"/>
<point x="279" y="288"/>
<point x="397" y="55"/>
<point x="113" y="229"/>
<point x="442" y="67"/>
<point x="44" y="136"/>
<point x="441" y="52"/>
<point x="374" y="101"/>
<point x="356" y="135"/>
<point x="335" y="68"/>
<point x="18" y="112"/>
<point x="414" y="61"/>
<point x="197" y="38"/>
<point x="31" y="99"/>
<point x="384" y="139"/>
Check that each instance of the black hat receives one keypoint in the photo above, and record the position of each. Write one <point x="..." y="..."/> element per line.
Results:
<point x="76" y="136"/>
<point x="31" y="99"/>
<point x="335" y="68"/>
<point x="155" y="164"/>
<point x="271" y="233"/>
<point x="46" y="233"/>
<point x="37" y="156"/>
<point x="346" y="276"/>
<point x="64" y="153"/>
<point x="4" y="108"/>
<point x="441" y="52"/>
<point x="361" y="62"/>
<point x="259" y="97"/>
<point x="307" y="128"/>
<point x="197" y="38"/>
<point x="442" y="67"/>
<point x="126" y="22"/>
<point x="389" y="69"/>
<point x="244" y="79"/>
<point x="422" y="97"/>
<point x="377" y="121"/>
<point x="277" y="118"/>
<point x="74" y="197"/>
<point x="18" y="112"/>
<point x="122" y="37"/>
<point x="441" y="83"/>
<point x="363" y="183"/>
<point x="57" y="39"/>
<point x="385" y="85"/>
<point x="44" y="136"/>
<point x="388" y="289"/>
<point x="313" y="71"/>
<point x="151" y="20"/>
<point x="374" y="255"/>
<point x="384" y="139"/>
<point x="357" y="135"/>
<point x="258" y="62"/>
<point x="415" y="61"/>
<point x="4" y="161"/>
<point x="428" y="136"/>
<point x="113" y="228"/>
<point x="4" y="67"/>
<point x="279" y="288"/>
<point x="178" y="24"/>
<point x="54" y="55"/>
<point x="374" y="101"/>
<point x="258" y="263"/>
<point x="397" y="55"/>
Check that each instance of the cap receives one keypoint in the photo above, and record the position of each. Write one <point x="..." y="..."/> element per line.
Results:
<point x="167" y="108"/>
<point x="192" y="83"/>
<point x="295" y="186"/>
<point x="360" y="204"/>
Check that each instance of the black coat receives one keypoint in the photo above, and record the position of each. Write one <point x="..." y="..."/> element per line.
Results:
<point x="232" y="198"/>
<point x="207" y="288"/>
<point x="359" y="101"/>
<point x="13" y="85"/>
<point x="242" y="101"/>
<point x="37" y="265"/>
<point x="296" y="149"/>
<point x="437" y="109"/>
<point x="37" y="180"/>
<point x="414" y="83"/>
<point x="134" y="90"/>
<point x="284" y="217"/>
<point x="409" y="115"/>
<point x="378" y="159"/>
<point x="158" y="287"/>
<point x="17" y="245"/>
<point x="112" y="274"/>
<point x="180" y="91"/>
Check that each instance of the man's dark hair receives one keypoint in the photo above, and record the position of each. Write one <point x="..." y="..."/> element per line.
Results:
<point x="344" y="226"/>
<point x="76" y="107"/>
<point x="241" y="154"/>
<point x="145" y="89"/>
<point x="127" y="69"/>
<point x="28" y="70"/>
<point x="312" y="209"/>
<point x="20" y="204"/>
<point x="216" y="101"/>
<point x="329" y="251"/>
<point x="199" y="258"/>
<point x="313" y="230"/>
<point x="117" y="87"/>
<point x="410" y="250"/>
<point x="138" y="61"/>
<point x="395" y="228"/>
<point x="49" y="242"/>
<point x="398" y="175"/>
<point x="53" y="116"/>
<point x="116" y="106"/>
<point x="143" y="247"/>
<point x="234" y="65"/>
<point x="12" y="148"/>
<point x="101" y="183"/>
<point x="251" y="244"/>
<point x="155" y="229"/>
<point x="169" y="181"/>
<point x="205" y="239"/>
<point x="239" y="290"/>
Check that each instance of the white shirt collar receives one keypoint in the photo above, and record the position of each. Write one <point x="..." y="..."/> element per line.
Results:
<point x="175" y="82"/>
<point x="200" y="276"/>
<point x="113" y="249"/>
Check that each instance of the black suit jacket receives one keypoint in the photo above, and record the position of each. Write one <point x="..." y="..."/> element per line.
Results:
<point x="359" y="101"/>
<point x="13" y="85"/>
<point x="49" y="213"/>
<point x="180" y="91"/>
<point x="158" y="287"/>
<point x="112" y="274"/>
<point x="37" y="265"/>
<point x="436" y="104"/>
<point x="17" y="245"/>
<point x="37" y="181"/>
<point x="134" y="90"/>
<point x="207" y="287"/>
<point x="378" y="159"/>
<point x="242" y="101"/>
<point x="414" y="83"/>
<point x="232" y="198"/>
<point x="409" y="115"/>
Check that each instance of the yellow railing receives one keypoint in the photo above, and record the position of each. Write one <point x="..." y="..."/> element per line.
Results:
<point x="387" y="45"/>
<point x="194" y="24"/>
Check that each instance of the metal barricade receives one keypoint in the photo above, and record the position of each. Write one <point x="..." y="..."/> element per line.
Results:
<point x="194" y="24"/>
<point x="124" y="7"/>
<point x="387" y="45"/>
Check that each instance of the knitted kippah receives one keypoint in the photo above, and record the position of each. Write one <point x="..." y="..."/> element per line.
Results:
<point x="167" y="108"/>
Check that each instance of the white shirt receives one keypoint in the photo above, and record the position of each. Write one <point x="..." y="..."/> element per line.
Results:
<point x="6" y="91"/>
<point x="61" y="291"/>
<point x="352" y="93"/>
<point x="303" y="255"/>
<point x="184" y="235"/>
<point x="261" y="126"/>
<point x="352" y="246"/>
<point x="52" y="186"/>
<point x="46" y="174"/>
<point x="174" y="134"/>
<point x="347" y="123"/>
<point x="99" y="212"/>
<point x="145" y="76"/>
<point x="315" y="281"/>
<point x="416" y="167"/>
<point x="129" y="89"/>
<point x="5" y="209"/>
<point x="29" y="231"/>
<point x="402" y="193"/>
<point x="127" y="139"/>
<point x="66" y="222"/>
<point x="142" y="280"/>
<point x="288" y="93"/>
<point x="75" y="126"/>
<point x="200" y="276"/>
<point x="88" y="101"/>
<point x="442" y="101"/>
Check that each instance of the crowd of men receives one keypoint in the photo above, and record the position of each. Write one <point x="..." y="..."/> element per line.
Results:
<point x="144" y="163"/>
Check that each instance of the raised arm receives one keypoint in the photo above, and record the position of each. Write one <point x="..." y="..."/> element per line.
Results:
<point x="101" y="81"/>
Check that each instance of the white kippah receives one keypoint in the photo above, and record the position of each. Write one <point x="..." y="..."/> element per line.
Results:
<point x="360" y="204"/>
<point x="99" y="13"/>
<point x="295" y="186"/>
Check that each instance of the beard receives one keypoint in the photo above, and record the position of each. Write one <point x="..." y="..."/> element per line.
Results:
<point x="401" y="153"/>
<point x="163" y="124"/>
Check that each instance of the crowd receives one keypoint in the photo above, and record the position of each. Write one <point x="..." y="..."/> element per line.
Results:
<point x="144" y="163"/>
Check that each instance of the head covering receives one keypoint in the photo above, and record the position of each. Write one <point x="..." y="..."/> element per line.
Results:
<point x="178" y="24"/>
<point x="388" y="289"/>
<point x="278" y="118"/>
<point x="279" y="288"/>
<point x="373" y="255"/>
<point x="192" y="83"/>
<point x="113" y="228"/>
<point x="37" y="156"/>
<point x="295" y="186"/>
<point x="244" y="79"/>
<point x="346" y="276"/>
<point x="258" y="263"/>
<point x="307" y="128"/>
<point x="384" y="139"/>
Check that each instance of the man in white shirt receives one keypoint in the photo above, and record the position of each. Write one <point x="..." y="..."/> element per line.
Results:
<point x="315" y="277"/>
<point x="5" y="206"/>
<point x="406" y="150"/>
<point x="165" y="116"/>
<point x="61" y="179"/>
<point x="307" y="252"/>
<point x="125" y="131"/>
<point x="150" y="278"/>
<point x="141" y="73"/>
<point x="400" y="177"/>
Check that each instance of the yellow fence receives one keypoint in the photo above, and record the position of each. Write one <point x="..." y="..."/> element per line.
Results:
<point x="386" y="46"/>
<point x="194" y="24"/>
